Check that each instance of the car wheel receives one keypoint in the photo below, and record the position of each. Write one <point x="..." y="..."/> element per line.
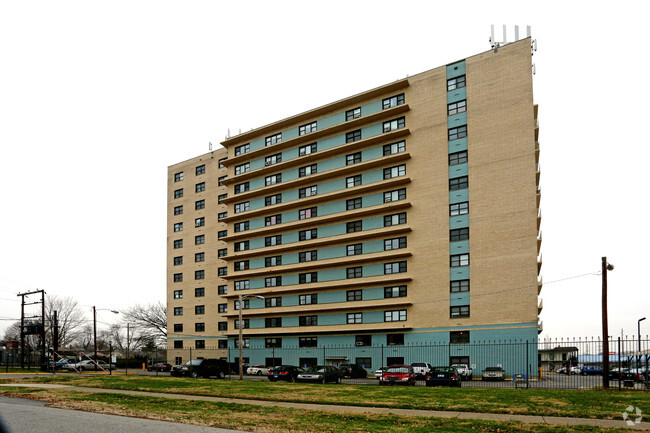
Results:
<point x="322" y="380"/>
<point x="259" y="372"/>
<point x="194" y="375"/>
<point x="293" y="379"/>
<point x="221" y="375"/>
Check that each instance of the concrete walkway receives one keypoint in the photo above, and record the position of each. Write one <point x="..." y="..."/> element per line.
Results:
<point x="531" y="419"/>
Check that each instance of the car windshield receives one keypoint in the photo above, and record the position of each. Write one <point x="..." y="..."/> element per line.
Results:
<point x="398" y="370"/>
<point x="493" y="369"/>
<point x="194" y="362"/>
<point x="316" y="369"/>
<point x="440" y="369"/>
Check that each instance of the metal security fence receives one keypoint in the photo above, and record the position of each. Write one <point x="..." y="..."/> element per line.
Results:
<point x="548" y="363"/>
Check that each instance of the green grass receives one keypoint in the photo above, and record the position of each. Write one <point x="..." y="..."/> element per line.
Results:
<point x="566" y="403"/>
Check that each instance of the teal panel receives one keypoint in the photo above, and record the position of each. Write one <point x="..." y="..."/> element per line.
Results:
<point x="331" y="319"/>
<point x="373" y="247"/>
<point x="331" y="275"/>
<point x="331" y="164"/>
<point x="373" y="270"/>
<point x="330" y="253"/>
<point x="457" y="170"/>
<point x="456" y="69"/>
<point x="289" y="134"/>
<point x="331" y="297"/>
<point x="458" y="196"/>
<point x="256" y="263"/>
<point x="373" y="200"/>
<point x="373" y="316"/>
<point x="373" y="107"/>
<point x="257" y="144"/>
<point x="459" y="221"/>
<point x="290" y="300"/>
<point x="289" y="238"/>
<point x="329" y="143"/>
<point x="458" y="145"/>
<point x="459" y="273"/>
<point x="373" y="223"/>
<point x="331" y="208"/>
<point x="457" y="95"/>
<point x="456" y="299"/>
<point x="256" y="323"/>
<point x="457" y="120"/>
<point x="289" y="321"/>
<point x="373" y="293"/>
<point x="372" y="177"/>
<point x="372" y="130"/>
<point x="459" y="247"/>
<point x="373" y="153"/>
<point x="328" y="121"/>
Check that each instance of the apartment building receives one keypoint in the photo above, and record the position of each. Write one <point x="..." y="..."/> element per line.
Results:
<point x="404" y="215"/>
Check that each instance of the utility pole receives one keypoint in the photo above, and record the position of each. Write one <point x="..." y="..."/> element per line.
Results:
<point x="55" y="336"/>
<point x="31" y="329"/>
<point x="605" y="267"/>
<point x="95" y="333"/>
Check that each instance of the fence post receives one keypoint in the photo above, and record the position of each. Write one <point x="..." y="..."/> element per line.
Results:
<point x="527" y="365"/>
<point x="619" y="364"/>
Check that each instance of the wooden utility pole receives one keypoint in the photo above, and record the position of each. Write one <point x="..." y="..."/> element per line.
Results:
<point x="605" y="267"/>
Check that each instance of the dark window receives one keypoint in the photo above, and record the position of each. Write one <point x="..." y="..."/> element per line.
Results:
<point x="353" y="226"/>
<point x="272" y="342"/>
<point x="395" y="316"/>
<point x="456" y="107"/>
<point x="199" y="327"/>
<point x="455" y="83"/>
<point x="178" y="177"/>
<point x="390" y="149"/>
<point x="353" y="136"/>
<point x="353" y="181"/>
<point x="199" y="309"/>
<point x="244" y="148"/>
<point x="352" y="318"/>
<point x="307" y="342"/>
<point x="353" y="158"/>
<point x="272" y="199"/>
<point x="395" y="267"/>
<point x="307" y="191"/>
<point x="273" y="302"/>
<point x="307" y="149"/>
<point x="178" y="243"/>
<point x="355" y="272"/>
<point x="395" y="340"/>
<point x="178" y="193"/>
<point x="199" y="240"/>
<point x="458" y="209"/>
<point x="458" y="158"/>
<point x="242" y="187"/>
<point x="272" y="281"/>
<point x="199" y="204"/>
<point x="459" y="311"/>
<point x="459" y="260"/>
<point x="307" y="256"/>
<point x="396" y="195"/>
<point x="459" y="337"/>
<point x="199" y="292"/>
<point x="178" y="327"/>
<point x="354" y="249"/>
<point x="458" y="183"/>
<point x="395" y="243"/>
<point x="395" y="292"/>
<point x="242" y="246"/>
<point x="459" y="234"/>
<point x="270" y="241"/>
<point x="393" y="101"/>
<point x="458" y="132"/>
<point x="199" y="187"/>
<point x="459" y="286"/>
<point x="307" y="170"/>
<point x="273" y="139"/>
<point x="199" y="275"/>
<point x="353" y="295"/>
<point x="305" y="235"/>
<point x="394" y="124"/>
<point x="307" y="213"/>
<point x="363" y="340"/>
<point x="306" y="129"/>
<point x="307" y="320"/>
<point x="178" y="210"/>
<point x="355" y="113"/>
<point x="309" y="277"/>
<point x="273" y="179"/>
<point x="308" y="299"/>
<point x="273" y="322"/>
<point x="273" y="159"/>
<point x="353" y="203"/>
<point x="272" y="261"/>
<point x="395" y="219"/>
<point x="272" y="220"/>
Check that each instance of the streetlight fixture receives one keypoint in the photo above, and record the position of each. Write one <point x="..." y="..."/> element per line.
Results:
<point x="638" y="356"/>
<point x="241" y="326"/>
<point x="95" y="326"/>
<point x="606" y="267"/>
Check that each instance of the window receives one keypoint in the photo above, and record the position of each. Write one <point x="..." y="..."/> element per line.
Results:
<point x="178" y="193"/>
<point x="396" y="171"/>
<point x="245" y="323"/>
<point x="270" y="241"/>
<point x="353" y="226"/>
<point x="395" y="340"/>
<point x="458" y="209"/>
<point x="178" y="344"/>
<point x="200" y="257"/>
<point x="220" y="180"/>
<point x="307" y="170"/>
<point x="456" y="83"/>
<point x="273" y="179"/>
<point x="199" y="204"/>
<point x="307" y="320"/>
<point x="221" y="252"/>
<point x="307" y="191"/>
<point x="458" y="183"/>
<point x="242" y="265"/>
<point x="391" y="149"/>
<point x="222" y="326"/>
<point x="221" y="344"/>
<point x="222" y="234"/>
<point x="222" y="215"/>
<point x="355" y="113"/>
<point x="199" y="292"/>
<point x="396" y="195"/>
<point x="363" y="340"/>
<point x="353" y="158"/>
<point x="353" y="136"/>
<point x="245" y="343"/>
<point x="272" y="199"/>
<point x="222" y="308"/>
<point x="394" y="268"/>
<point x="273" y="139"/>
<point x="178" y="311"/>
<point x="458" y="158"/>
<point x="395" y="243"/>
<point x="459" y="311"/>
<point x="199" y="222"/>
<point x="221" y="197"/>
<point x="178" y="327"/>
<point x="199" y="275"/>
<point x="244" y="148"/>
<point x="178" y="294"/>
<point x="459" y="286"/>
<point x="242" y="168"/>
<point x="242" y="207"/>
<point x="199" y="240"/>
<point x="305" y="235"/>
<point x="355" y="272"/>
<point x="178" y="260"/>
<point x="272" y="281"/>
<point x="353" y="295"/>
<point x="459" y="234"/>
<point x="222" y="289"/>
<point x="307" y="341"/>
<point x="222" y="271"/>
<point x="456" y="107"/>
<point x="395" y="219"/>
<point x="353" y="181"/>
<point x="272" y="342"/>
<point x="272" y="220"/>
<point x="273" y="322"/>
<point x="307" y="149"/>
<point x="309" y="277"/>
<point x="242" y="187"/>
<point x="394" y="124"/>
<point x="392" y="101"/>
<point x="352" y="318"/>
<point x="459" y="132"/>
<point x="308" y="299"/>
<point x="242" y="246"/>
<point x="272" y="261"/>
<point x="242" y="226"/>
<point x="307" y="213"/>
<point x="178" y="278"/>
<point x="306" y="129"/>
<point x="178" y="243"/>
<point x="273" y="302"/>
<point x="273" y="159"/>
<point x="178" y="210"/>
<point x="242" y="285"/>
<point x="395" y="316"/>
<point x="246" y="305"/>
<point x="395" y="292"/>
<point x="307" y="256"/>
<point x="199" y="327"/>
<point x="178" y="227"/>
<point x="199" y="187"/>
<point x="459" y="260"/>
<point x="178" y="177"/>
<point x="459" y="337"/>
<point x="354" y="249"/>
<point x="353" y="203"/>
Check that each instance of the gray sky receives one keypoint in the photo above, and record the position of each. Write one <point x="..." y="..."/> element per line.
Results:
<point x="98" y="98"/>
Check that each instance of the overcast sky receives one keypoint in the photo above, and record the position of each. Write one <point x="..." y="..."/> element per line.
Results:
<point x="97" y="98"/>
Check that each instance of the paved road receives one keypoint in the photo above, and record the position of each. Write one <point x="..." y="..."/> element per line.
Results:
<point x="19" y="415"/>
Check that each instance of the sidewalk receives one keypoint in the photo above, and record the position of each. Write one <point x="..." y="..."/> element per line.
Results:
<point x="531" y="419"/>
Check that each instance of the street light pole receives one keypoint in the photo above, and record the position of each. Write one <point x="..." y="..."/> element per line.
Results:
<point x="241" y="326"/>
<point x="606" y="267"/>
<point x="638" y="356"/>
<point x="95" y="328"/>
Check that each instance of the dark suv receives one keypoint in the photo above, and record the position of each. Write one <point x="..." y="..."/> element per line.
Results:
<point x="201" y="368"/>
<point x="353" y="371"/>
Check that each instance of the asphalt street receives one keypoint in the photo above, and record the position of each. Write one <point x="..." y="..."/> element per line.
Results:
<point x="18" y="415"/>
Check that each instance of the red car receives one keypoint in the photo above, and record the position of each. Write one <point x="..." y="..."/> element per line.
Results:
<point x="398" y="375"/>
<point x="160" y="366"/>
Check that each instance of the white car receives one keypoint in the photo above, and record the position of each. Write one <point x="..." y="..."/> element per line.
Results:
<point x="464" y="370"/>
<point x="257" y="370"/>
<point x="89" y="365"/>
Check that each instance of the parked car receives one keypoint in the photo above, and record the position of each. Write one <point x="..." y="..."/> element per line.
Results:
<point x="421" y="369"/>
<point x="201" y="368"/>
<point x="257" y="370"/>
<point x="398" y="375"/>
<point x="287" y="373"/>
<point x="443" y="376"/>
<point x="320" y="373"/>
<point x="380" y="372"/>
<point x="89" y="365"/>
<point x="159" y="366"/>
<point x="591" y="370"/>
<point x="493" y="373"/>
<point x="61" y="363"/>
<point x="234" y="368"/>
<point x="353" y="371"/>
<point x="464" y="370"/>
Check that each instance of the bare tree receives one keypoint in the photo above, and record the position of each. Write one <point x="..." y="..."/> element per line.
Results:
<point x="70" y="318"/>
<point x="148" y="324"/>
